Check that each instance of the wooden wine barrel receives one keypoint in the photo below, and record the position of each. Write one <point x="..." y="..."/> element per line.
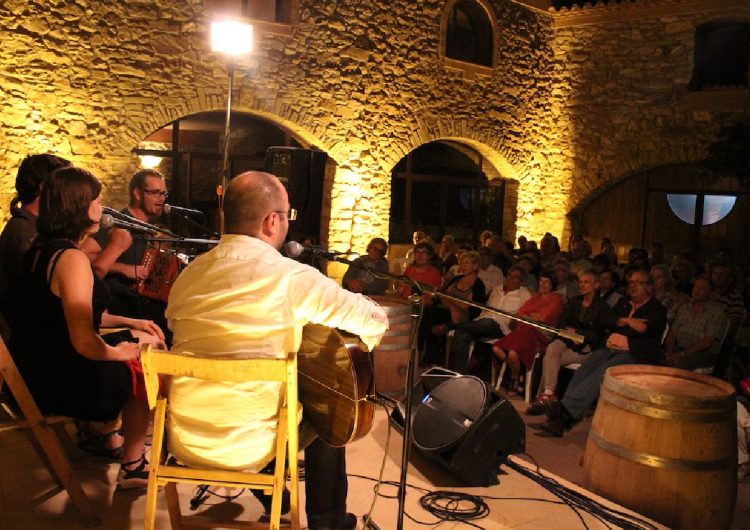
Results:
<point x="664" y="443"/>
<point x="391" y="356"/>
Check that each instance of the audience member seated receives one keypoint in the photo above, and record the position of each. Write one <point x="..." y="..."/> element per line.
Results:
<point x="723" y="279"/>
<point x="522" y="246"/>
<point x="695" y="336"/>
<point x="68" y="367"/>
<point x="450" y="273"/>
<point x="491" y="275"/>
<point x="743" y="437"/>
<point x="567" y="284"/>
<point x="416" y="237"/>
<point x="20" y="231"/>
<point x="529" y="281"/>
<point x="656" y="256"/>
<point x="587" y="315"/>
<point x="500" y="254"/>
<point x="447" y="253"/>
<point x="489" y="325"/>
<point x="608" y="288"/>
<point x="549" y="247"/>
<point x="683" y="272"/>
<point x="665" y="292"/>
<point x="466" y="285"/>
<point x="358" y="277"/>
<point x="484" y="238"/>
<point x="523" y="343"/>
<point x="639" y="325"/>
<point x="421" y="270"/>
<point x="579" y="257"/>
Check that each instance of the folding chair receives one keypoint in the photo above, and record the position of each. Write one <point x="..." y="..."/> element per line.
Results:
<point x="157" y="363"/>
<point x="48" y="434"/>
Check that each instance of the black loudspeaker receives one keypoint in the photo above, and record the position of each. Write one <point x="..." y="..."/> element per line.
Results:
<point x="464" y="425"/>
<point x="302" y="172"/>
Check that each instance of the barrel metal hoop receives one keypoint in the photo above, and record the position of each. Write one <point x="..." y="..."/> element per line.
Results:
<point x="659" y="398"/>
<point x="642" y="409"/>
<point x="659" y="462"/>
<point x="391" y="347"/>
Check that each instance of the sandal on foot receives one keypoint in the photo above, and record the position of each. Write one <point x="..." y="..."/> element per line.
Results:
<point x="96" y="444"/>
<point x="130" y="477"/>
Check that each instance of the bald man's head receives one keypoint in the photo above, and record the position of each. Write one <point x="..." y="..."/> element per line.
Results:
<point x="249" y="198"/>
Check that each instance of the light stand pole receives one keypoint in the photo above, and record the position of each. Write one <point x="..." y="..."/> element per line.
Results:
<point x="233" y="38"/>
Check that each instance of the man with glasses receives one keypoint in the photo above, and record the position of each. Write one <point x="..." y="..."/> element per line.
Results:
<point x="358" y="277"/>
<point x="637" y="325"/>
<point x="116" y="255"/>
<point x="243" y="298"/>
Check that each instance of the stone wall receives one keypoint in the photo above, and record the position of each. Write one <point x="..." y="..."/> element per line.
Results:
<point x="563" y="112"/>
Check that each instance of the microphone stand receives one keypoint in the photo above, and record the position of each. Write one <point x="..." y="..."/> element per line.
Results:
<point x="417" y="308"/>
<point x="204" y="228"/>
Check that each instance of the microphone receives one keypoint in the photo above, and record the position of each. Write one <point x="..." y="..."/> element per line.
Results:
<point x="294" y="249"/>
<point x="108" y="221"/>
<point x="179" y="209"/>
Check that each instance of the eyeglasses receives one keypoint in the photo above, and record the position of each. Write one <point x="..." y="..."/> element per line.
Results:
<point x="156" y="193"/>
<point x="291" y="214"/>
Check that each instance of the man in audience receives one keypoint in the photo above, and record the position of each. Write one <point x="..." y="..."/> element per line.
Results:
<point x="20" y="230"/>
<point x="694" y="338"/>
<point x="244" y="299"/>
<point x="579" y="258"/>
<point x="587" y="315"/>
<point x="488" y="325"/>
<point x="607" y="289"/>
<point x="359" y="279"/>
<point x="491" y="275"/>
<point x="639" y="324"/>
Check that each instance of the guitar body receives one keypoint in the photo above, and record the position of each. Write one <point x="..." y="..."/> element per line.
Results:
<point x="335" y="379"/>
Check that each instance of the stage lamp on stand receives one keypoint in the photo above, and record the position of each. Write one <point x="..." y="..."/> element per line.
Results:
<point x="234" y="39"/>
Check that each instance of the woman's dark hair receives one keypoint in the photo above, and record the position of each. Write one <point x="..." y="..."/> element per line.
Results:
<point x="64" y="204"/>
<point x="32" y="173"/>
<point x="550" y="275"/>
<point x="425" y="245"/>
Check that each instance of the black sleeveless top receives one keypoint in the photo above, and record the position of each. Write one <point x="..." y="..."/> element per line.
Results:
<point x="61" y="380"/>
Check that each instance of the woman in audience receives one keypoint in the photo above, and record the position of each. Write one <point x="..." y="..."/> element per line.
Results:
<point x="665" y="292"/>
<point x="466" y="285"/>
<point x="421" y="270"/>
<point x="608" y="288"/>
<point x="447" y="253"/>
<point x="525" y="341"/>
<point x="68" y="367"/>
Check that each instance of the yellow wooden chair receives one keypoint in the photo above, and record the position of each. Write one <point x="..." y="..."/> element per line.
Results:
<point x="157" y="363"/>
<point x="48" y="435"/>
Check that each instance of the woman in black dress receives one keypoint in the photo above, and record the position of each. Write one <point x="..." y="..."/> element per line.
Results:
<point x="68" y="367"/>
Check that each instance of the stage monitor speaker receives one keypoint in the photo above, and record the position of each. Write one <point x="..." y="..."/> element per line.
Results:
<point x="464" y="425"/>
<point x="302" y="172"/>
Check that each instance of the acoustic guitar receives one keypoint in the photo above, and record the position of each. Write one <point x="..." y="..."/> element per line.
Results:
<point x="335" y="381"/>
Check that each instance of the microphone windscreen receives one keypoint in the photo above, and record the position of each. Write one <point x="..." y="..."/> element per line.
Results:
<point x="166" y="208"/>
<point x="293" y="249"/>
<point x="106" y="221"/>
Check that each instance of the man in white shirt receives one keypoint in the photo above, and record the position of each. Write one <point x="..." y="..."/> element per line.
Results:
<point x="488" y="325"/>
<point x="491" y="275"/>
<point x="244" y="299"/>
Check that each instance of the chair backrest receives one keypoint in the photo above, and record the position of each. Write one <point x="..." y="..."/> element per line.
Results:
<point x="157" y="362"/>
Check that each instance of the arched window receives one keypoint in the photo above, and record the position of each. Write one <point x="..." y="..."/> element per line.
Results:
<point x="722" y="52"/>
<point x="469" y="34"/>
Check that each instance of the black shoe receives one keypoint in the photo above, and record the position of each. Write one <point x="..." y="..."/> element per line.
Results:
<point x="349" y="523"/>
<point x="553" y="409"/>
<point x="537" y="408"/>
<point x="552" y="429"/>
<point x="266" y="500"/>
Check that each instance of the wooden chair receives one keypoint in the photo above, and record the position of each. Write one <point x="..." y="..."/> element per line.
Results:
<point x="168" y="475"/>
<point x="47" y="434"/>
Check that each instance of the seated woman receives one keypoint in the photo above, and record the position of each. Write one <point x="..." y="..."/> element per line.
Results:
<point x="666" y="292"/>
<point x="525" y="341"/>
<point x="466" y="285"/>
<point x="68" y="367"/>
<point x="447" y="253"/>
<point x="421" y="269"/>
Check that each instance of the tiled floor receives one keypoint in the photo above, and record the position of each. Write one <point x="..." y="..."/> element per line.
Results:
<point x="29" y="499"/>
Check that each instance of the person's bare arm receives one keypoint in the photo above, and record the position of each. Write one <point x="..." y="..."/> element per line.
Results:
<point x="73" y="282"/>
